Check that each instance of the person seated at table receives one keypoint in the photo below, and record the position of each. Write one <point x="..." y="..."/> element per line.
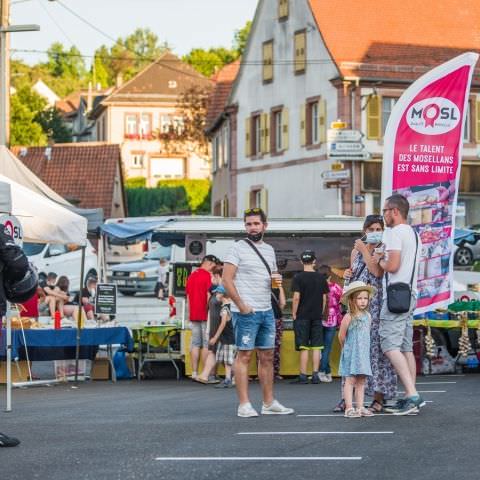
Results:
<point x="45" y="295"/>
<point x="63" y="302"/>
<point x="88" y="298"/>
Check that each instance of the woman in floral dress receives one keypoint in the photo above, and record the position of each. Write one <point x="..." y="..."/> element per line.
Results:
<point x="382" y="385"/>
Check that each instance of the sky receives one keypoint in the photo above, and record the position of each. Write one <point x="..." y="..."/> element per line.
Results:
<point x="184" y="24"/>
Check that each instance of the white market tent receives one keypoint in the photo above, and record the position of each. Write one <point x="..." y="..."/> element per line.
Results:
<point x="42" y="220"/>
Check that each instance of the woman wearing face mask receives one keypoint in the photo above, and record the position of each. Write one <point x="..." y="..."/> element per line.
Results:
<point x="382" y="385"/>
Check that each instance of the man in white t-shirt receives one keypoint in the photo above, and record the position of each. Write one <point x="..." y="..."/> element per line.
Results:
<point x="400" y="264"/>
<point x="248" y="280"/>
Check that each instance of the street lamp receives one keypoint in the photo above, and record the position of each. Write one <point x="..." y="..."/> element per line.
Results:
<point x="5" y="30"/>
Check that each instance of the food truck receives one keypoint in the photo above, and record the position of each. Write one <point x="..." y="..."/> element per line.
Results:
<point x="192" y="238"/>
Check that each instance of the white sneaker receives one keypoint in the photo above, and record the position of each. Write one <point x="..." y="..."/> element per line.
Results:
<point x="246" y="410"/>
<point x="323" y="377"/>
<point x="328" y="377"/>
<point x="276" y="408"/>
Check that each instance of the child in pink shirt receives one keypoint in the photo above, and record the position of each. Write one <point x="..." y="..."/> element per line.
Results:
<point x="330" y="325"/>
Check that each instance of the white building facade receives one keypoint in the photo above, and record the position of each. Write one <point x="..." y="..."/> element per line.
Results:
<point x="285" y="103"/>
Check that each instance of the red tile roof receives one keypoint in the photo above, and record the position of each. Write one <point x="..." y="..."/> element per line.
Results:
<point x="223" y="85"/>
<point x="395" y="39"/>
<point x="82" y="173"/>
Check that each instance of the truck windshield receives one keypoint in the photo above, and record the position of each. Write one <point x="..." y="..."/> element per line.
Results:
<point x="158" y="253"/>
<point x="33" y="248"/>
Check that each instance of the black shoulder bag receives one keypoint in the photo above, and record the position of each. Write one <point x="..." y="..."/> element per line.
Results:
<point x="399" y="295"/>
<point x="269" y="270"/>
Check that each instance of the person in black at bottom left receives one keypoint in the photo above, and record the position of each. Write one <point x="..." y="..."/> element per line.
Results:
<point x="18" y="283"/>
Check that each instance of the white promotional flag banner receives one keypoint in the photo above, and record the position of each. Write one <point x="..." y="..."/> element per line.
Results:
<point x="422" y="160"/>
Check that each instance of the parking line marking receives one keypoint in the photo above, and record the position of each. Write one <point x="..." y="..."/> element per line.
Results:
<point x="429" y="391"/>
<point x="434" y="383"/>
<point x="195" y="459"/>
<point x="340" y="415"/>
<point x="315" y="433"/>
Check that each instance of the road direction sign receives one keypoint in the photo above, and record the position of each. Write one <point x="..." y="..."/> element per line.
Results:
<point x="349" y="156"/>
<point x="338" y="124"/>
<point x="333" y="175"/>
<point x="334" y="135"/>
<point x="345" y="146"/>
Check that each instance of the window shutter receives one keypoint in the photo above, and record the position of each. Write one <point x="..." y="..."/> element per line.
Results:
<point x="282" y="9"/>
<point x="266" y="133"/>
<point x="477" y="121"/>
<point x="268" y="61"/>
<point x="248" y="137"/>
<point x="303" y="125"/>
<point x="285" y="129"/>
<point x="374" y="124"/>
<point x="300" y="52"/>
<point x="247" y="199"/>
<point x="264" y="200"/>
<point x="322" y="121"/>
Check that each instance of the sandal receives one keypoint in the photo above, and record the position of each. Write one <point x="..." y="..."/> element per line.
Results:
<point x="365" y="412"/>
<point x="376" y="407"/>
<point x="340" y="406"/>
<point x="200" y="380"/>
<point x="351" y="413"/>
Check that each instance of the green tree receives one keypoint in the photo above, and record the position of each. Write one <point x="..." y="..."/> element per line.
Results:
<point x="207" y="62"/>
<point x="197" y="192"/>
<point x="241" y="38"/>
<point x="65" y="63"/>
<point x="23" y="129"/>
<point x="53" y="125"/>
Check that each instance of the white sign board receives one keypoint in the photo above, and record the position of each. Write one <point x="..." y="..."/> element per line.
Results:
<point x="344" y="135"/>
<point x="330" y="175"/>
<point x="13" y="228"/>
<point x="345" y="147"/>
<point x="349" y="156"/>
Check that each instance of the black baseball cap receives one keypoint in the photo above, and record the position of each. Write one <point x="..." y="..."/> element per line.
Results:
<point x="308" y="256"/>
<point x="211" y="258"/>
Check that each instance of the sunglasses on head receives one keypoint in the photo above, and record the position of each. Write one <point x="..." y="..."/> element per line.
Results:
<point x="248" y="211"/>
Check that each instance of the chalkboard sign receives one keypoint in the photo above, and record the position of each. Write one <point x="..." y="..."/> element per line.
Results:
<point x="106" y="299"/>
<point x="181" y="272"/>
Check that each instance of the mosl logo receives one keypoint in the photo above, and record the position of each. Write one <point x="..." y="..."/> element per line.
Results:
<point x="433" y="116"/>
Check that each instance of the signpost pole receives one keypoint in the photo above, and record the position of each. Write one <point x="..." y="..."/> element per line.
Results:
<point x="79" y="316"/>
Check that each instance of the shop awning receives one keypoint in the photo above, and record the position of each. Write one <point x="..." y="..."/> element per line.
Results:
<point x="132" y="231"/>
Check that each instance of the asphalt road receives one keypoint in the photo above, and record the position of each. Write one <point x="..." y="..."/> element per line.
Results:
<point x="162" y="429"/>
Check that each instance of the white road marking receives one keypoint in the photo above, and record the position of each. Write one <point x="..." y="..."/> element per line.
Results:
<point x="434" y="383"/>
<point x="242" y="459"/>
<point x="340" y="415"/>
<point x="428" y="391"/>
<point x="315" y="433"/>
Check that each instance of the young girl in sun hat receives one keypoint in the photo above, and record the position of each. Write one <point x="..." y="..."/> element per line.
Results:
<point x="354" y="336"/>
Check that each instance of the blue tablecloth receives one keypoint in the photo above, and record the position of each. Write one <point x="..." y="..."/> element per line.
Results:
<point x="66" y="337"/>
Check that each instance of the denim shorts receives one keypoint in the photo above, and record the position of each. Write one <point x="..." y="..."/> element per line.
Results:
<point x="254" y="330"/>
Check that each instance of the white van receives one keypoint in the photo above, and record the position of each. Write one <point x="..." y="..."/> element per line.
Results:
<point x="63" y="260"/>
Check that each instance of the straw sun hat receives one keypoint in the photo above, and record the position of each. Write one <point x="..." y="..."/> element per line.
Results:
<point x="356" y="287"/>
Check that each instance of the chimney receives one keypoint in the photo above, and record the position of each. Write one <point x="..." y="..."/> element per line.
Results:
<point x="89" y="97"/>
<point x="119" y="80"/>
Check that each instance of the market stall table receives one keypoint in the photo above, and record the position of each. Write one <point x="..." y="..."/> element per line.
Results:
<point x="50" y="344"/>
<point x="158" y="343"/>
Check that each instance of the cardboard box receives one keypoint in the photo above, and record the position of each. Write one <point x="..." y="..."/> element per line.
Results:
<point x="19" y="374"/>
<point x="100" y="369"/>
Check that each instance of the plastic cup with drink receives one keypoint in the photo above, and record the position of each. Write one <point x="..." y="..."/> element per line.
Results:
<point x="276" y="280"/>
